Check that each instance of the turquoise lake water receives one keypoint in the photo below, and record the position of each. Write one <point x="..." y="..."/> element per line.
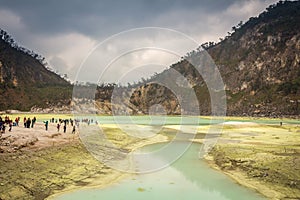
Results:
<point x="173" y="120"/>
<point x="183" y="120"/>
<point x="187" y="178"/>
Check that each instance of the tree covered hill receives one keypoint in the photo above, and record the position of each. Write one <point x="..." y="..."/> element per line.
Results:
<point x="25" y="81"/>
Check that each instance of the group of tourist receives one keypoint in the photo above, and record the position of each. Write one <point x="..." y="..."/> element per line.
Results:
<point x="88" y="121"/>
<point x="10" y="123"/>
<point x="29" y="123"/>
<point x="65" y="122"/>
<point x="6" y="122"/>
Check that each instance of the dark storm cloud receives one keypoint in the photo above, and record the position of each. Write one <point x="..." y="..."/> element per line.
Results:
<point x="65" y="31"/>
<point x="95" y="17"/>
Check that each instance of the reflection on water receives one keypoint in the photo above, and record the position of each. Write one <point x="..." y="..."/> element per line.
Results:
<point x="187" y="178"/>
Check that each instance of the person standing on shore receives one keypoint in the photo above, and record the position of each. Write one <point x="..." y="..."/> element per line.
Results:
<point x="10" y="125"/>
<point x="28" y="122"/>
<point x="33" y="122"/>
<point x="17" y="121"/>
<point x="46" y="125"/>
<point x="58" y="127"/>
<point x="74" y="130"/>
<point x="1" y="124"/>
<point x="65" y="128"/>
<point x="24" y="120"/>
<point x="3" y="128"/>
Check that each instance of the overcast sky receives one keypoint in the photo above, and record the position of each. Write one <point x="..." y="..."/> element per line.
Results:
<point x="66" y="31"/>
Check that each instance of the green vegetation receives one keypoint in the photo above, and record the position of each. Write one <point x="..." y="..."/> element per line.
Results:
<point x="43" y="97"/>
<point x="291" y="87"/>
<point x="26" y="82"/>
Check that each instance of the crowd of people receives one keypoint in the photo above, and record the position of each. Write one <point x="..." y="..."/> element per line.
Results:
<point x="65" y="123"/>
<point x="4" y="123"/>
<point x="7" y="122"/>
<point x="30" y="123"/>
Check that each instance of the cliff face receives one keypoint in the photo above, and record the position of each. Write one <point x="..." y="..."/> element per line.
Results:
<point x="259" y="63"/>
<point x="146" y="98"/>
<point x="25" y="82"/>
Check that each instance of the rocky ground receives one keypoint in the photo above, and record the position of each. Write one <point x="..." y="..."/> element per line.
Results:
<point x="35" y="163"/>
<point x="21" y="138"/>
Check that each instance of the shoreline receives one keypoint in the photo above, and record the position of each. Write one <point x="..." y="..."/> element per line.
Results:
<point x="244" y="181"/>
<point x="261" y="157"/>
<point x="119" y="175"/>
<point x="239" y="116"/>
<point x="111" y="180"/>
<point x="69" y="159"/>
<point x="235" y="176"/>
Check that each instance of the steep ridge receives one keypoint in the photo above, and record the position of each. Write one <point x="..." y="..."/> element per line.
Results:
<point x="259" y="63"/>
<point x="24" y="80"/>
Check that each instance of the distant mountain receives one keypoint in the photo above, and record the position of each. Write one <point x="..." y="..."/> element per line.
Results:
<point x="259" y="63"/>
<point x="24" y="80"/>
